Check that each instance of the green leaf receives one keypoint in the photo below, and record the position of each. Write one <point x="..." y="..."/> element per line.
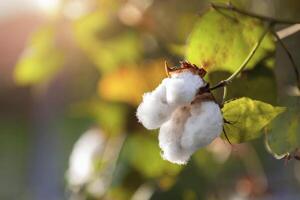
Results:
<point x="221" y="40"/>
<point x="247" y="117"/>
<point x="143" y="154"/>
<point x="41" y="59"/>
<point x="284" y="134"/>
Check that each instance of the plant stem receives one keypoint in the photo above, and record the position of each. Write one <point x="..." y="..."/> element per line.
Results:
<point x="296" y="71"/>
<point x="231" y="7"/>
<point x="225" y="82"/>
<point x="224" y="94"/>
<point x="286" y="32"/>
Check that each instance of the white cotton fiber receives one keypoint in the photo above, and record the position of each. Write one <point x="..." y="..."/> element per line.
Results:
<point x="81" y="164"/>
<point x="203" y="126"/>
<point x="170" y="135"/>
<point x="181" y="88"/>
<point x="187" y="121"/>
<point x="154" y="110"/>
<point x="190" y="128"/>
<point x="158" y="105"/>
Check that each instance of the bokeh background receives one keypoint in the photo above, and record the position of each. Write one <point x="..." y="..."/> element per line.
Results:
<point x="72" y="73"/>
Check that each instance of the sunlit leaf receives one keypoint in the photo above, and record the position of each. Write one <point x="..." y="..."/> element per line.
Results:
<point x="128" y="83"/>
<point x="222" y="40"/>
<point x="247" y="117"/>
<point x="143" y="154"/>
<point x="40" y="60"/>
<point x="284" y="133"/>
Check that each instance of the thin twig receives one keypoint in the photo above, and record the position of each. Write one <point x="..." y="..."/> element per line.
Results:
<point x="225" y="82"/>
<point x="234" y="19"/>
<point x="226" y="136"/>
<point x="290" y="57"/>
<point x="231" y="7"/>
<point x="224" y="95"/>
<point x="290" y="30"/>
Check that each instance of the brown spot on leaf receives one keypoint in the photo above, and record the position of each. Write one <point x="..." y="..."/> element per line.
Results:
<point x="206" y="64"/>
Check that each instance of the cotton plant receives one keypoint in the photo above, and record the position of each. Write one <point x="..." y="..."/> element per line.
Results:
<point x="185" y="112"/>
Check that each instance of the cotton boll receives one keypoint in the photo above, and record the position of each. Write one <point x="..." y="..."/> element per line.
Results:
<point x="203" y="126"/>
<point x="81" y="164"/>
<point x="154" y="110"/>
<point x="170" y="135"/>
<point x="181" y="88"/>
<point x="188" y="116"/>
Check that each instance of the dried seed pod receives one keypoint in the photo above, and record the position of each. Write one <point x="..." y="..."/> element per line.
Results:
<point x="185" y="66"/>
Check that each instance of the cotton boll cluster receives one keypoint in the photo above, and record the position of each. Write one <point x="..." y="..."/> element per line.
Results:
<point x="188" y="120"/>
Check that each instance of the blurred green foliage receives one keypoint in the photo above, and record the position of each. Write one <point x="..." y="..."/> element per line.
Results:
<point x="147" y="159"/>
<point x="41" y="59"/>
<point x="107" y="49"/>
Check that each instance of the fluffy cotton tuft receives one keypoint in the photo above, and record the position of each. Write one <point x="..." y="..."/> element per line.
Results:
<point x="190" y="128"/>
<point x="170" y="135"/>
<point x="182" y="87"/>
<point x="203" y="126"/>
<point x="154" y="110"/>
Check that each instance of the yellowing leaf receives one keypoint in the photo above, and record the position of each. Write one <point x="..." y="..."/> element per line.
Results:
<point x="41" y="59"/>
<point x="284" y="134"/>
<point x="221" y="40"/>
<point x="129" y="83"/>
<point x="247" y="117"/>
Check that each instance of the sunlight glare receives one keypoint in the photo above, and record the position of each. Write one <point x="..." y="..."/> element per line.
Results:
<point x="49" y="7"/>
